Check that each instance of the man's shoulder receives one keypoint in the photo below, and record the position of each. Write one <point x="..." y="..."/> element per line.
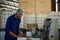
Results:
<point x="10" y="17"/>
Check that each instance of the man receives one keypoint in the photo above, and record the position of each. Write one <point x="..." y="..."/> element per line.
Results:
<point x="12" y="26"/>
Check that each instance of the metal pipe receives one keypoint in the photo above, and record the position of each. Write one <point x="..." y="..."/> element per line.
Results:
<point x="57" y="6"/>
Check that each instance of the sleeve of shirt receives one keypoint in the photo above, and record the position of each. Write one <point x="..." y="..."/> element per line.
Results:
<point x="8" y="25"/>
<point x="19" y="24"/>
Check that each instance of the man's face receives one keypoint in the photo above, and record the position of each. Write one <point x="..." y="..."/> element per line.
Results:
<point x="19" y="15"/>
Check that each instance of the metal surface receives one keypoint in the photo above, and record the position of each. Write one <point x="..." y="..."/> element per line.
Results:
<point x="53" y="33"/>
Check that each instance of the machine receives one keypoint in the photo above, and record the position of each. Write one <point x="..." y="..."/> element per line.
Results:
<point x="50" y="29"/>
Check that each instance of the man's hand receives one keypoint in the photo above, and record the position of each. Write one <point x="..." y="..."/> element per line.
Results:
<point x="20" y="34"/>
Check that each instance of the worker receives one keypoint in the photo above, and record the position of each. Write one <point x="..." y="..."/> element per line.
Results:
<point x="12" y="26"/>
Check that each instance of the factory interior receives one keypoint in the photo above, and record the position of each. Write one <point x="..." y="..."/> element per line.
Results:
<point x="40" y="19"/>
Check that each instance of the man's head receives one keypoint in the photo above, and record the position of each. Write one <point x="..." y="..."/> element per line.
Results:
<point x="19" y="13"/>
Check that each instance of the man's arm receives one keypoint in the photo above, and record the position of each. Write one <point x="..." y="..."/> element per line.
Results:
<point x="12" y="34"/>
<point x="8" y="28"/>
<point x="20" y="33"/>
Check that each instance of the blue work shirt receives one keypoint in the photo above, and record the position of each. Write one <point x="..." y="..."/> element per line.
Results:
<point x="11" y="26"/>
